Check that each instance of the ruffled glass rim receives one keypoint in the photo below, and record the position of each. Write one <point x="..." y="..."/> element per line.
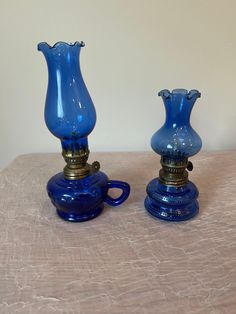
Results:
<point x="165" y="93"/>
<point x="60" y="44"/>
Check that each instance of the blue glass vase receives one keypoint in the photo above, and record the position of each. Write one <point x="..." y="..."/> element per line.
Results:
<point x="172" y="196"/>
<point x="80" y="191"/>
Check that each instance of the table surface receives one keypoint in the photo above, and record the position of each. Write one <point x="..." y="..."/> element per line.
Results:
<point x="124" y="261"/>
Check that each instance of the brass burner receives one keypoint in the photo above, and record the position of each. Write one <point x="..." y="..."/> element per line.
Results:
<point x="77" y="166"/>
<point x="174" y="172"/>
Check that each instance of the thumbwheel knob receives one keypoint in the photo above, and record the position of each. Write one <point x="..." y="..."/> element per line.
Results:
<point x="95" y="166"/>
<point x="189" y="166"/>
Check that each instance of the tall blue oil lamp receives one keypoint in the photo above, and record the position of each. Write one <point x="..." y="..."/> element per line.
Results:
<point x="172" y="196"/>
<point x="79" y="192"/>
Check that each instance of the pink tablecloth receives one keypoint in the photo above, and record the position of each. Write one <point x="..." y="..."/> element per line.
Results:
<point x="124" y="261"/>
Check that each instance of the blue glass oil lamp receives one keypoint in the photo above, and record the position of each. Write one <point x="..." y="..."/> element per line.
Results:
<point x="172" y="196"/>
<point x="78" y="192"/>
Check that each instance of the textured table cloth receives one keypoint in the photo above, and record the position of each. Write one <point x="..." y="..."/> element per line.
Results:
<point x="124" y="261"/>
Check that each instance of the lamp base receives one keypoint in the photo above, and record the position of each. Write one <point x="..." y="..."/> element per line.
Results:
<point x="78" y="200"/>
<point x="170" y="202"/>
<point x="73" y="217"/>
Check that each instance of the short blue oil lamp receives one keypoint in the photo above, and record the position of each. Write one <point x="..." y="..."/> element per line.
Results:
<point x="172" y="196"/>
<point x="78" y="192"/>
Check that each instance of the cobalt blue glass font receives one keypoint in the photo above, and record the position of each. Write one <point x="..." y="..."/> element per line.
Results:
<point x="81" y="200"/>
<point x="78" y="192"/>
<point x="172" y="196"/>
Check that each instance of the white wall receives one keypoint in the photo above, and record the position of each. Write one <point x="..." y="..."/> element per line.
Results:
<point x="133" y="49"/>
